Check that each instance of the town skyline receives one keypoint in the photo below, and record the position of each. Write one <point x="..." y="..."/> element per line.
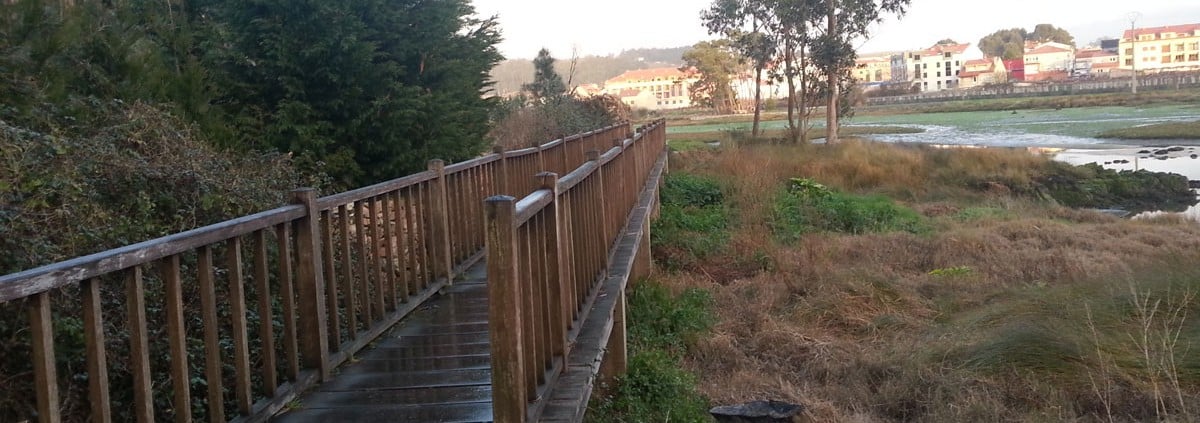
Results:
<point x="591" y="31"/>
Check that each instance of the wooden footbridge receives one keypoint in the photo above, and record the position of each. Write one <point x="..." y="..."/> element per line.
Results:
<point x="488" y="290"/>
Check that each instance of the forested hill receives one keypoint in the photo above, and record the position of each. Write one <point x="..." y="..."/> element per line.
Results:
<point x="511" y="74"/>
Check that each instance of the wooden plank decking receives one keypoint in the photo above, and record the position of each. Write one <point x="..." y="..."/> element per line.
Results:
<point x="434" y="366"/>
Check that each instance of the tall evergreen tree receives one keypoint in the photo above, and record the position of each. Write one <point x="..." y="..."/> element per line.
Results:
<point x="547" y="83"/>
<point x="365" y="90"/>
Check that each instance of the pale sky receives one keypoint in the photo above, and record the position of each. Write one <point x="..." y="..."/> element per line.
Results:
<point x="609" y="26"/>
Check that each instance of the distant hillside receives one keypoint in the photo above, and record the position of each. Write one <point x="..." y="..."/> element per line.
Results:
<point x="511" y="74"/>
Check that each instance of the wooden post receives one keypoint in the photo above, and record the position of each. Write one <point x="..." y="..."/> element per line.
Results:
<point x="616" y="360"/>
<point x="504" y="317"/>
<point x="310" y="285"/>
<point x="441" y="221"/>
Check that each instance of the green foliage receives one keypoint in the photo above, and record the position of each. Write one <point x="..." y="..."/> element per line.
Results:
<point x="656" y="388"/>
<point x="367" y="90"/>
<point x="981" y="213"/>
<point x="808" y="206"/>
<point x="717" y="64"/>
<point x="1091" y="185"/>
<point x="693" y="220"/>
<point x="1010" y="43"/>
<point x="663" y="321"/>
<point x="547" y="85"/>
<point x="952" y="271"/>
<point x="689" y="190"/>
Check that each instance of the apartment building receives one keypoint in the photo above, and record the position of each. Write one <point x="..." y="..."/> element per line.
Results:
<point x="937" y="68"/>
<point x="1094" y="62"/>
<point x="1161" y="49"/>
<point x="1048" y="57"/>
<point x="654" y="89"/>
<point x="873" y="69"/>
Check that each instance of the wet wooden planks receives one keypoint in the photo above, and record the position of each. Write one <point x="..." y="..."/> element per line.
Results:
<point x="434" y="366"/>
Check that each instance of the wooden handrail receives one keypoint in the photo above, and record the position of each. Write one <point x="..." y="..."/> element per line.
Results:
<point x="329" y="274"/>
<point x="547" y="254"/>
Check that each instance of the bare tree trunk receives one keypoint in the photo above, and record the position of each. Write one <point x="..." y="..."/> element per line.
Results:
<point x="831" y="110"/>
<point x="805" y="86"/>
<point x="758" y="70"/>
<point x="788" y="57"/>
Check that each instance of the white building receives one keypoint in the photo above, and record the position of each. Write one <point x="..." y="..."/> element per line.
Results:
<point x="1167" y="48"/>
<point x="1048" y="57"/>
<point x="936" y="68"/>
<point x="655" y="89"/>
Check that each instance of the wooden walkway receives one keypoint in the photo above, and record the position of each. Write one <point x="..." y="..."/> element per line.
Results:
<point x="434" y="366"/>
<point x="376" y="304"/>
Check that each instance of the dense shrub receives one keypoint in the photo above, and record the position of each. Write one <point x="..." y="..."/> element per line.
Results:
<point x="656" y="388"/>
<point x="131" y="174"/>
<point x="808" y="206"/>
<point x="693" y="220"/>
<point x="1091" y="185"/>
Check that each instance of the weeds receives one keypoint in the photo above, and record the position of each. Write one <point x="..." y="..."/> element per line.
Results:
<point x="1003" y="306"/>
<point x="656" y="388"/>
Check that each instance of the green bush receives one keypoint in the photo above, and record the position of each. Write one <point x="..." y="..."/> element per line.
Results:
<point x="656" y="388"/>
<point x="693" y="222"/>
<point x="660" y="320"/>
<point x="1091" y="185"/>
<point x="683" y="189"/>
<point x="808" y="206"/>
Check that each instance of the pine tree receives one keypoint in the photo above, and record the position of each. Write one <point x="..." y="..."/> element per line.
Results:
<point x="547" y="84"/>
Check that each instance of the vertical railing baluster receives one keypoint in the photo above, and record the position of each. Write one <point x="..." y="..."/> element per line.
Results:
<point x="376" y="267"/>
<point x="360" y="243"/>
<point x="45" y="372"/>
<point x="139" y="345"/>
<point x="97" y="361"/>
<point x="241" y="340"/>
<point x="288" y="294"/>
<point x="181" y="381"/>
<point x="212" y="346"/>
<point x="440" y="220"/>
<point x="389" y="239"/>
<point x="331" y="282"/>
<point x="266" y="327"/>
<point x="351" y="291"/>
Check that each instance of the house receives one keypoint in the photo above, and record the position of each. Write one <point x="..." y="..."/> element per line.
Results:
<point x="936" y="68"/>
<point x="655" y="89"/>
<point x="1086" y="60"/>
<point x="1016" y="69"/>
<point x="1048" y="56"/>
<point x="873" y="69"/>
<point x="1161" y="49"/>
<point x="979" y="72"/>
<point x="587" y="90"/>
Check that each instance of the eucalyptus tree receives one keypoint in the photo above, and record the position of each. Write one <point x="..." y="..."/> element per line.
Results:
<point x="749" y="25"/>
<point x="833" y="53"/>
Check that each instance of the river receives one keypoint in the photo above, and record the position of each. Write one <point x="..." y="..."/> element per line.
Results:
<point x="1067" y="135"/>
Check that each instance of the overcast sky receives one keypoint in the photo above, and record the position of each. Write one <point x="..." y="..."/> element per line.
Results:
<point x="609" y="26"/>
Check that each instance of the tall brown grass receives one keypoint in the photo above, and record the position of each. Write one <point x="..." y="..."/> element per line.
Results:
<point x="1011" y="309"/>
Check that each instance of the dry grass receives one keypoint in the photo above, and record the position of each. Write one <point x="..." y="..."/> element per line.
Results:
<point x="988" y="318"/>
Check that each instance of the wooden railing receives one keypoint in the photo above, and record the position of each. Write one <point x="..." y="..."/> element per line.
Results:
<point x="547" y="254"/>
<point x="255" y="310"/>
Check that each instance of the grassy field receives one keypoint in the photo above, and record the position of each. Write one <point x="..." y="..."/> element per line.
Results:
<point x="880" y="283"/>
<point x="1159" y="131"/>
<point x="694" y="140"/>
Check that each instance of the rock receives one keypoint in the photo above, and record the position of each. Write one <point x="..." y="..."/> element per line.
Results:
<point x="757" y="412"/>
<point x="1175" y="149"/>
<point x="1194" y="184"/>
<point x="1145" y="152"/>
<point x="1160" y="152"/>
<point x="1121" y="161"/>
<point x="1194" y="156"/>
<point x="1108" y="163"/>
